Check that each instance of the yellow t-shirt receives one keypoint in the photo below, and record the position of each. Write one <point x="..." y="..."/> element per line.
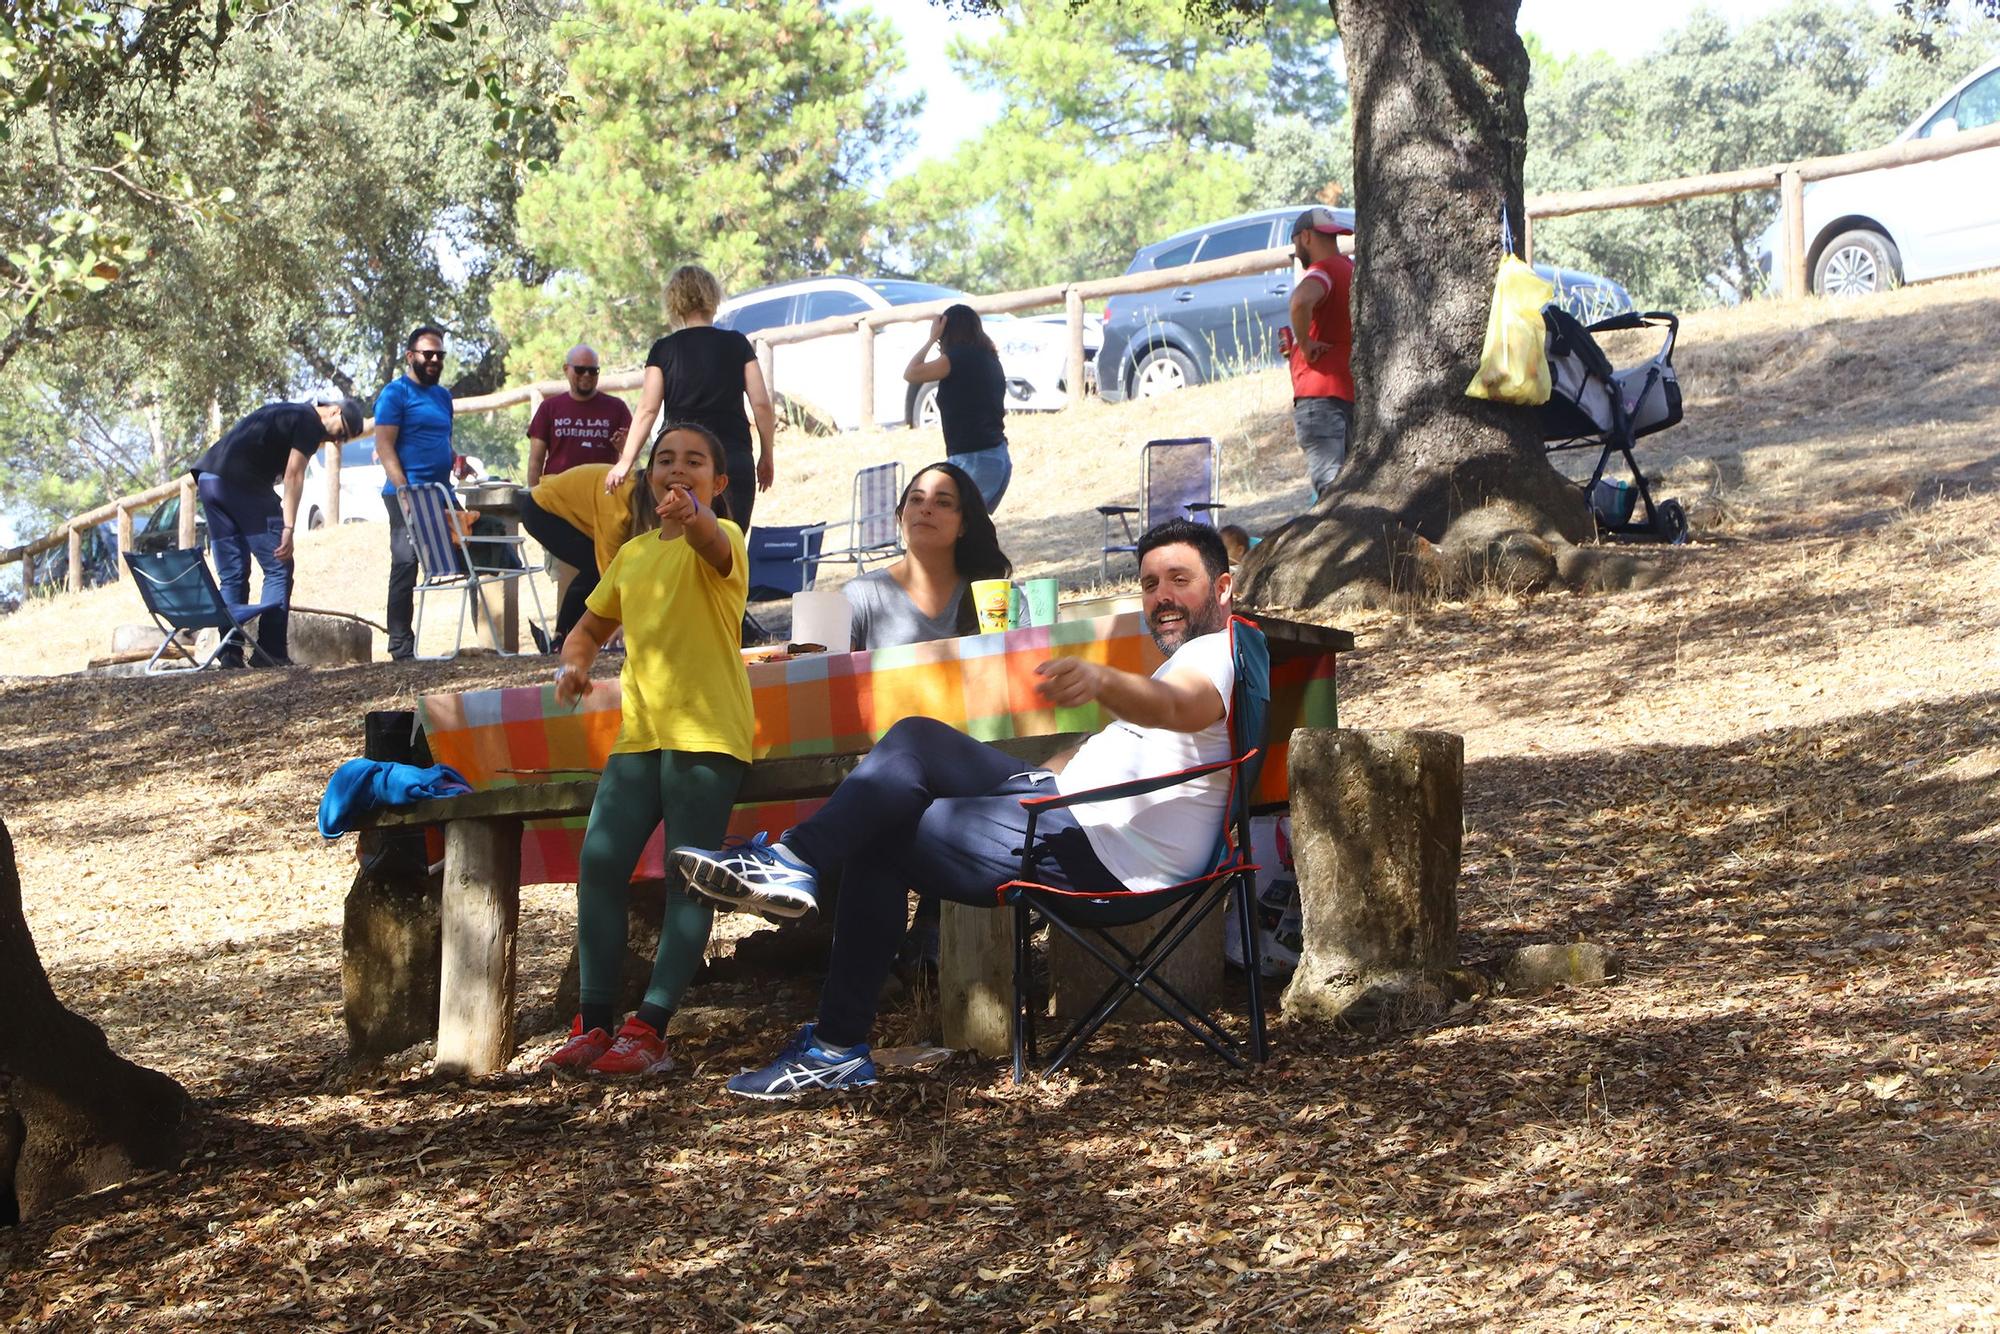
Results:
<point x="576" y="496"/>
<point x="684" y="684"/>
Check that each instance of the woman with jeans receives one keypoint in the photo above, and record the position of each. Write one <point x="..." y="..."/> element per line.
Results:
<point x="971" y="399"/>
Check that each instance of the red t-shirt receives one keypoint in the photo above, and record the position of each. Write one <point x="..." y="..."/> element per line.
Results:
<point x="1332" y="323"/>
<point x="579" y="430"/>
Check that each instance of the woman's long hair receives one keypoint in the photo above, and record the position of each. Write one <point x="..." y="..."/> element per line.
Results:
<point x="644" y="515"/>
<point x="963" y="326"/>
<point x="976" y="554"/>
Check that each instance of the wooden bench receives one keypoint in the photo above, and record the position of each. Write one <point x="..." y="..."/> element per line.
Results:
<point x="481" y="905"/>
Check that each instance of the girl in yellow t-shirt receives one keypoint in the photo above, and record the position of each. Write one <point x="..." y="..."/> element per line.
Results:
<point x="678" y="587"/>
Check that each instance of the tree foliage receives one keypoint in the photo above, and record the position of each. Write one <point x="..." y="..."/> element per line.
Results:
<point x="1811" y="79"/>
<point x="1120" y="124"/>
<point x="744" y="137"/>
<point x="334" y="190"/>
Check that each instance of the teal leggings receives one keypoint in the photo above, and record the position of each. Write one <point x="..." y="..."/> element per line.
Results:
<point x="692" y="792"/>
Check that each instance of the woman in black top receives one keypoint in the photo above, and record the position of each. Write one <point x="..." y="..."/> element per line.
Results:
<point x="971" y="399"/>
<point x="702" y="374"/>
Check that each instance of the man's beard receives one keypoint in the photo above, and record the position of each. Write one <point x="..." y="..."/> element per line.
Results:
<point x="1206" y="619"/>
<point x="427" y="373"/>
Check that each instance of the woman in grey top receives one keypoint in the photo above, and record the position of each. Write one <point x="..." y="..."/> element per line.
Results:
<point x="948" y="542"/>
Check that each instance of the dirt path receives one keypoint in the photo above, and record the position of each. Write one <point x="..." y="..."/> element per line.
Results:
<point x="1772" y="783"/>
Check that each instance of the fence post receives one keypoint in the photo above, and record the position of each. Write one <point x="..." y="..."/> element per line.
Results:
<point x="1527" y="238"/>
<point x="124" y="541"/>
<point x="333" y="452"/>
<point x="1793" y="192"/>
<point x="186" y="534"/>
<point x="75" y="577"/>
<point x="865" y="419"/>
<point x="1073" y="317"/>
<point x="766" y="366"/>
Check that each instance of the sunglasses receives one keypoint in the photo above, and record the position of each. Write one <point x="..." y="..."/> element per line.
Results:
<point x="584" y="370"/>
<point x="428" y="356"/>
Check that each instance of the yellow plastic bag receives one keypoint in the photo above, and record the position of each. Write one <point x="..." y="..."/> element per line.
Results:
<point x="1514" y="364"/>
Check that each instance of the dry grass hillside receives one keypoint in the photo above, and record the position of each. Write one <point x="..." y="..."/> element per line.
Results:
<point x="1770" y="782"/>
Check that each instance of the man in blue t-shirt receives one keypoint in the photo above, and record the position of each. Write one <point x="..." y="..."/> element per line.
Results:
<point x="413" y="441"/>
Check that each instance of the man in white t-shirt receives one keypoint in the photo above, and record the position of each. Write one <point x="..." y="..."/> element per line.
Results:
<point x="931" y="806"/>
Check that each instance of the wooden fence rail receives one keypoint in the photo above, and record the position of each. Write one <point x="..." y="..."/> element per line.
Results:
<point x="1789" y="179"/>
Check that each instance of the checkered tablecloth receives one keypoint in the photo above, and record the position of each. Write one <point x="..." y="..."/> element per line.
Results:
<point x="829" y="704"/>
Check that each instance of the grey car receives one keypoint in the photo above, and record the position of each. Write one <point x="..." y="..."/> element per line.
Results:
<point x="1156" y="342"/>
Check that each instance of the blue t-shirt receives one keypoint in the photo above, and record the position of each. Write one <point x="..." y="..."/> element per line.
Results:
<point x="423" y="440"/>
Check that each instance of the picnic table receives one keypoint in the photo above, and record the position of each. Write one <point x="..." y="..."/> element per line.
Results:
<point x="532" y="763"/>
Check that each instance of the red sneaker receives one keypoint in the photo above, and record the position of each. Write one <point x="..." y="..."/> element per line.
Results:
<point x="581" y="1051"/>
<point x="639" y="1050"/>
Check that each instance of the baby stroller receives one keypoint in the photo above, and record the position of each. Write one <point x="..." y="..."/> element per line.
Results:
<point x="1590" y="403"/>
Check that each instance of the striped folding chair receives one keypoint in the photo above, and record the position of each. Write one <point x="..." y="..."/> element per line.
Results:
<point x="450" y="558"/>
<point x="872" y="531"/>
<point x="1182" y="479"/>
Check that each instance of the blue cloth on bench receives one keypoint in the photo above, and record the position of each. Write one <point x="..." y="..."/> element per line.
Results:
<point x="359" y="786"/>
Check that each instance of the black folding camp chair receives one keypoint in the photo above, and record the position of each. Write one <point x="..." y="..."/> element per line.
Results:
<point x="1088" y="918"/>
<point x="182" y="596"/>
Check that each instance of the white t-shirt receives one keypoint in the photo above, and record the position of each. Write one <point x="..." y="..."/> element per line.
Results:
<point x="1159" y="838"/>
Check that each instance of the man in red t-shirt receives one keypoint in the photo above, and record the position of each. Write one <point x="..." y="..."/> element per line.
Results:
<point x="1322" y="340"/>
<point x="582" y="426"/>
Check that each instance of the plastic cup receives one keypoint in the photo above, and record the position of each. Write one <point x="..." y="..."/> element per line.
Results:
<point x="989" y="599"/>
<point x="1040" y="596"/>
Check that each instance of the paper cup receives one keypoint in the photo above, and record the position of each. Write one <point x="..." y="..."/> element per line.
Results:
<point x="1040" y="597"/>
<point x="989" y="599"/>
<point x="822" y="617"/>
<point x="1017" y="613"/>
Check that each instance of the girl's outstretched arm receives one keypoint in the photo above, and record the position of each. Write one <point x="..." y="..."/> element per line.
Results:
<point x="696" y="522"/>
<point x="579" y="650"/>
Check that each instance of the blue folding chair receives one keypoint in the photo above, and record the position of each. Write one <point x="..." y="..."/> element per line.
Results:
<point x="872" y="531"/>
<point x="450" y="558"/>
<point x="783" y="561"/>
<point x="182" y="595"/>
<point x="1180" y="479"/>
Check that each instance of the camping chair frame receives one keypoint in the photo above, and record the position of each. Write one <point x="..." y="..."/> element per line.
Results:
<point x="1085" y="917"/>
<point x="448" y="559"/>
<point x="1157" y="509"/>
<point x="872" y="531"/>
<point x="1135" y="973"/>
<point x="187" y="598"/>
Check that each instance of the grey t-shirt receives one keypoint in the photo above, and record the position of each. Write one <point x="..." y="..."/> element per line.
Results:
<point x="884" y="615"/>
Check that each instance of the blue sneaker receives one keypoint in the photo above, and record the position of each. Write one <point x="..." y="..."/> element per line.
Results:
<point x="806" y="1067"/>
<point x="750" y="875"/>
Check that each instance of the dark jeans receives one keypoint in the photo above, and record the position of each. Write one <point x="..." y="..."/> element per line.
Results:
<point x="569" y="544"/>
<point x="402" y="583"/>
<point x="928" y="806"/>
<point x="246" y="523"/>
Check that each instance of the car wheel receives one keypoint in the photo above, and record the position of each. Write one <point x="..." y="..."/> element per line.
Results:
<point x="1856" y="263"/>
<point x="1163" y="370"/>
<point x="923" y="405"/>
<point x="315" y="519"/>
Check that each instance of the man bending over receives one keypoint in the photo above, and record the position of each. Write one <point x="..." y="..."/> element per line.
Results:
<point x="931" y="806"/>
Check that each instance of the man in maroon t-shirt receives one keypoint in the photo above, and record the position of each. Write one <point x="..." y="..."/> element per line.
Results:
<point x="1322" y="328"/>
<point x="582" y="426"/>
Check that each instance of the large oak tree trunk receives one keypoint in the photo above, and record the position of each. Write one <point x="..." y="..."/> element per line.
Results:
<point x="74" y="1115"/>
<point x="1440" y="134"/>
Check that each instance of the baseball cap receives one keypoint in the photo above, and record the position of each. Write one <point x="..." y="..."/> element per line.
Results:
<point x="1320" y="219"/>
<point x="351" y="414"/>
